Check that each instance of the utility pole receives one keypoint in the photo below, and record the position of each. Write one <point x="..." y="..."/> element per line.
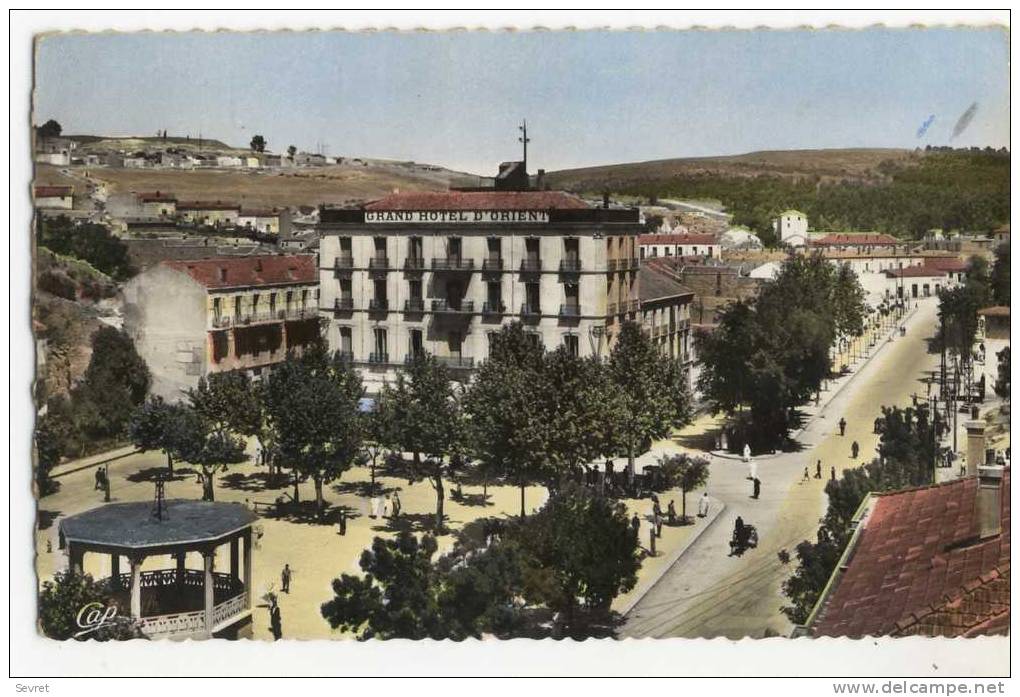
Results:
<point x="524" y="140"/>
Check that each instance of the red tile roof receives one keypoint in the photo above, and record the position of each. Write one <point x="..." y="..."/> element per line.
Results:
<point x="477" y="201"/>
<point x="918" y="566"/>
<point x="847" y="239"/>
<point x="234" y="272"/>
<point x="208" y="205"/>
<point x="50" y="191"/>
<point x="692" y="238"/>
<point x="947" y="264"/>
<point x="924" y="271"/>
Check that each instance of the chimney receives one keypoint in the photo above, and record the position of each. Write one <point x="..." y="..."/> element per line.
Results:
<point x="975" y="446"/>
<point x="989" y="500"/>
<point x="540" y="180"/>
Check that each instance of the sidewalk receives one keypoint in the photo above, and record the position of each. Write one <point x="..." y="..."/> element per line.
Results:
<point x="70" y="466"/>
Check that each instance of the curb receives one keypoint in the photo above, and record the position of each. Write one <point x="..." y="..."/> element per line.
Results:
<point x="97" y="463"/>
<point x="643" y="591"/>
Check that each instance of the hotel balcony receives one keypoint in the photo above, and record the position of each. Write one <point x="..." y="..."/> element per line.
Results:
<point x="343" y="304"/>
<point x="453" y="264"/>
<point x="445" y="307"/>
<point x="414" y="305"/>
<point x="344" y="262"/>
<point x="379" y="305"/>
<point x="269" y="317"/>
<point x="378" y="263"/>
<point x="531" y="265"/>
<point x="379" y="358"/>
<point x="493" y="309"/>
<point x="570" y="265"/>
<point x="414" y="264"/>
<point x="492" y="264"/>
<point x="570" y="310"/>
<point x="532" y="312"/>
<point x="346" y="356"/>
<point x="456" y="362"/>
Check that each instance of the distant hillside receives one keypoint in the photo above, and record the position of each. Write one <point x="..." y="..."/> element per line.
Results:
<point x="901" y="192"/>
<point x="860" y="164"/>
<point x="125" y="142"/>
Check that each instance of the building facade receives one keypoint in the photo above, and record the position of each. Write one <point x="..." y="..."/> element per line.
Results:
<point x="157" y="204"/>
<point x="54" y="197"/>
<point x="679" y="245"/>
<point x="212" y="213"/>
<point x="195" y="317"/>
<point x="439" y="272"/>
<point x="262" y="221"/>
<point x="791" y="228"/>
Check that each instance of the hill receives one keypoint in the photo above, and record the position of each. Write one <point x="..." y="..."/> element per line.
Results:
<point x="90" y="143"/>
<point x="905" y="193"/>
<point x="859" y="164"/>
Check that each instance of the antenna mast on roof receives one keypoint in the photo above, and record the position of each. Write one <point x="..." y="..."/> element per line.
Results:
<point x="524" y="139"/>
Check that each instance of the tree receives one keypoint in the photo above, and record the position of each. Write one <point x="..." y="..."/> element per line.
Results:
<point x="91" y="242"/>
<point x="51" y="437"/>
<point x="507" y="426"/>
<point x="427" y="412"/>
<point x="50" y="129"/>
<point x="158" y="425"/>
<point x="1000" y="275"/>
<point x="291" y="152"/>
<point x="232" y="401"/>
<point x="382" y="433"/>
<point x="311" y="405"/>
<point x="258" y="143"/>
<point x="646" y="409"/>
<point x="208" y="445"/>
<point x="686" y="472"/>
<point x="1002" y="381"/>
<point x="63" y="599"/>
<point x="580" y="546"/>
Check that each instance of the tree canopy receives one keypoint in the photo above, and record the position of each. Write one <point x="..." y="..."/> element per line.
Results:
<point x="50" y="129"/>
<point x="258" y="143"/>
<point x="91" y="242"/>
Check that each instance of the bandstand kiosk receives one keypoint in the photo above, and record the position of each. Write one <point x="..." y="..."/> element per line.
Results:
<point x="175" y="602"/>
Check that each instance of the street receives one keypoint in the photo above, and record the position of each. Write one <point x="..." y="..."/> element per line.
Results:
<point x="710" y="594"/>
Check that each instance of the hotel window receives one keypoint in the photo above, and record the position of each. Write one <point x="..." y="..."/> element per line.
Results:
<point x="237" y="306"/>
<point x="304" y="299"/>
<point x="573" y="296"/>
<point x="380" y="248"/>
<point x="495" y="249"/>
<point x="532" y="251"/>
<point x="346" y="344"/>
<point x="345" y="248"/>
<point x="272" y="302"/>
<point x="414" y="288"/>
<point x="455" y="343"/>
<point x="216" y="310"/>
<point x="571" y="344"/>
<point x="642" y="252"/>
<point x="380" y="341"/>
<point x="453" y="248"/>
<point x="255" y="305"/>
<point x="290" y="299"/>
<point x="669" y="252"/>
<point x="535" y="339"/>
<point x="345" y="289"/>
<point x="494" y="296"/>
<point x="571" y="248"/>
<point x="414" y="249"/>
<point x="532" y="297"/>
<point x="415" y="345"/>
<point x="380" y="291"/>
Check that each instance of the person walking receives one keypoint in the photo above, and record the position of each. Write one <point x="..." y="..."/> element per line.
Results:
<point x="832" y="473"/>
<point x="275" y="625"/>
<point x="842" y="426"/>
<point x="807" y="474"/>
<point x="386" y="507"/>
<point x="818" y="470"/>
<point x="99" y="479"/>
<point x="854" y="450"/>
<point x="671" y="512"/>
<point x="703" y="505"/>
<point x="285" y="578"/>
<point x="757" y="488"/>
<point x="396" y="505"/>
<point x="635" y="525"/>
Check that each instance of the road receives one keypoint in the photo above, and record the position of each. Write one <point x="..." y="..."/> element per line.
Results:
<point x="688" y="206"/>
<point x="710" y="594"/>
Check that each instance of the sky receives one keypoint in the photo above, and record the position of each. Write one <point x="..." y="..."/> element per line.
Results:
<point x="456" y="99"/>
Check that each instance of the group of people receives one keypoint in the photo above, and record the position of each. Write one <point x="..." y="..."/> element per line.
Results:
<point x="385" y="506"/>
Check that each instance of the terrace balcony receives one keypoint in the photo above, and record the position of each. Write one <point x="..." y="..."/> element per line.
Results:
<point x="379" y="305"/>
<point x="445" y="307"/>
<point x="570" y="265"/>
<point x="414" y="264"/>
<point x="379" y="358"/>
<point x="531" y="265"/>
<point x="378" y="263"/>
<point x="343" y="262"/>
<point x="492" y="264"/>
<point x="414" y="305"/>
<point x="457" y="362"/>
<point x="343" y="304"/>
<point x="453" y="264"/>
<point x="572" y="310"/>
<point x="531" y="312"/>
<point x="493" y="309"/>
<point x="269" y="317"/>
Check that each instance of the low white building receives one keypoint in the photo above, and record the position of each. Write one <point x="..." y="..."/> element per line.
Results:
<point x="228" y="161"/>
<point x="54" y="197"/>
<point x="738" y="238"/>
<point x="689" y="245"/>
<point x="791" y="228"/>
<point x="135" y="162"/>
<point x="262" y="221"/>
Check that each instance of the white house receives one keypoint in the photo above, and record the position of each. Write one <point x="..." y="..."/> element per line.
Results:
<point x="791" y="228"/>
<point x="228" y="161"/>
<point x="262" y="221"/>
<point x="54" y="197"/>
<point x="690" y="245"/>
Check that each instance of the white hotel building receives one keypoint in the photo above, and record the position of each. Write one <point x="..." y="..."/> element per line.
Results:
<point x="439" y="272"/>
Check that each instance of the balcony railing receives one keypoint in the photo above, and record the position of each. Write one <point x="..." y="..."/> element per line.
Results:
<point x="492" y="264"/>
<point x="378" y="262"/>
<point x="414" y="264"/>
<point x="378" y="305"/>
<point x="343" y="304"/>
<point x="570" y="310"/>
<point x="346" y="356"/>
<point x="461" y="362"/>
<point x="493" y="308"/>
<point x="343" y="262"/>
<point x="531" y="265"/>
<point x="446" y="307"/>
<point x="414" y="305"/>
<point x="530" y="310"/>
<point x="379" y="358"/>
<point x="413" y="356"/>
<point x="453" y="264"/>
<point x="268" y="317"/>
<point x="570" y="265"/>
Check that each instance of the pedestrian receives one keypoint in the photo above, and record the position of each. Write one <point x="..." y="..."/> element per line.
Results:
<point x="656" y="508"/>
<point x="832" y="473"/>
<point x="657" y="523"/>
<point x="747" y="452"/>
<point x="807" y="474"/>
<point x="738" y="529"/>
<point x="285" y="578"/>
<point x="842" y="426"/>
<point x="818" y="470"/>
<point x="275" y="625"/>
<point x="386" y="507"/>
<point x="703" y="505"/>
<point x="374" y="506"/>
<point x="854" y="450"/>
<point x="396" y="505"/>
<point x="635" y="525"/>
<point x="752" y="470"/>
<point x="99" y="479"/>
<point x="757" y="488"/>
<point x="671" y="512"/>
